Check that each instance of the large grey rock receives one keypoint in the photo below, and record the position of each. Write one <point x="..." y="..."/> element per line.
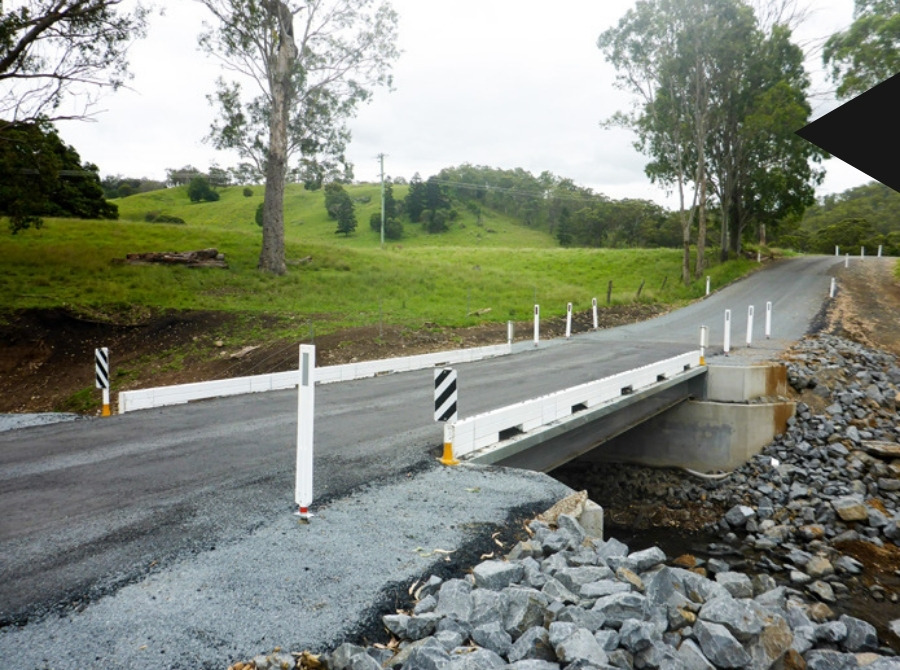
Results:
<point x="818" y="567"/>
<point x="497" y="575"/>
<point x="773" y="644"/>
<point x="581" y="646"/>
<point x="534" y="643"/>
<point x="575" y="578"/>
<point x="737" y="616"/>
<point x="826" y="659"/>
<point x="737" y="584"/>
<point x="533" y="664"/>
<point x="635" y="636"/>
<point x="560" y="630"/>
<point x="455" y="599"/>
<point x="621" y="606"/>
<point x="607" y="639"/>
<point x="641" y="561"/>
<point x="475" y="659"/>
<point x="425" y="654"/>
<point x="605" y="587"/>
<point x="831" y="632"/>
<point x="581" y="617"/>
<point x="420" y="627"/>
<point x="611" y="548"/>
<point x="591" y="519"/>
<point x="526" y="609"/>
<point x="692" y="656"/>
<point x="569" y="524"/>
<point x="720" y="646"/>
<point x="487" y="606"/>
<point x="362" y="662"/>
<point x="738" y="515"/>
<point x="861" y="635"/>
<point x="822" y="590"/>
<point x="492" y="636"/>
<point x="396" y="623"/>
<point x="555" y="590"/>
<point x="340" y="657"/>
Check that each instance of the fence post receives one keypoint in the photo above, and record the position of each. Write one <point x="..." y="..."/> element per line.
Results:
<point x="768" y="320"/>
<point x="445" y="409"/>
<point x="609" y="292"/>
<point x="101" y="375"/>
<point x="594" y="308"/>
<point x="727" y="343"/>
<point x="537" y="324"/>
<point x="306" y="410"/>
<point x="750" y="325"/>
<point x="568" y="320"/>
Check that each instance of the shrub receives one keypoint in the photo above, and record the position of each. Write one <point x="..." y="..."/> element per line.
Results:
<point x="199" y="190"/>
<point x="158" y="217"/>
<point x="248" y="192"/>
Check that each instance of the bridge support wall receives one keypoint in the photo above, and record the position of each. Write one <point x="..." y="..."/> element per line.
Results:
<point x="742" y="411"/>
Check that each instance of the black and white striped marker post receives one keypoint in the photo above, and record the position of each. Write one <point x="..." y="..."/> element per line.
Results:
<point x="101" y="376"/>
<point x="445" y="396"/>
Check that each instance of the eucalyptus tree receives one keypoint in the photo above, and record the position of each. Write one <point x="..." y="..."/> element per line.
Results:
<point x="311" y="65"/>
<point x="56" y="51"/>
<point x="867" y="52"/>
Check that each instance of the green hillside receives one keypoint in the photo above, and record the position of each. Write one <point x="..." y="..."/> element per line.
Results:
<point x="496" y="268"/>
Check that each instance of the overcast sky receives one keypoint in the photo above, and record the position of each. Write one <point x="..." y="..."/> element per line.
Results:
<point x="502" y="83"/>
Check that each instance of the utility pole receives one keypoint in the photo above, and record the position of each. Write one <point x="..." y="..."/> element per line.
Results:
<point x="381" y="159"/>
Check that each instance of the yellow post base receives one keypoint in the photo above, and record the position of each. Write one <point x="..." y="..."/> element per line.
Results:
<point x="447" y="458"/>
<point x="105" y="411"/>
<point x="702" y="360"/>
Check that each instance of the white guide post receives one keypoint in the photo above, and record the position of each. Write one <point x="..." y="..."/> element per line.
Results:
<point x="594" y="308"/>
<point x="862" y="252"/>
<point x="879" y="250"/>
<point x="568" y="320"/>
<point x="768" y="320"/>
<point x="837" y="250"/>
<point x="831" y="290"/>
<point x="537" y="324"/>
<point x="750" y="325"/>
<point x="306" y="406"/>
<point x="727" y="343"/>
<point x="847" y="260"/>
<point x="704" y="342"/>
<point x="707" y="284"/>
<point x="509" y="332"/>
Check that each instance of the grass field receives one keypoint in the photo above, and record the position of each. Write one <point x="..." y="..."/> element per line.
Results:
<point x="497" y="265"/>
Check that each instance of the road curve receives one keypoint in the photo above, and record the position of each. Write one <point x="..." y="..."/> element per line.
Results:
<point x="91" y="505"/>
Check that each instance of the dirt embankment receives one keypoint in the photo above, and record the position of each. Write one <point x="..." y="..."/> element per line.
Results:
<point x="47" y="356"/>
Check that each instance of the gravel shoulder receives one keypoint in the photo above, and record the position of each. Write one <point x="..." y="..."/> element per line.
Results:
<point x="293" y="585"/>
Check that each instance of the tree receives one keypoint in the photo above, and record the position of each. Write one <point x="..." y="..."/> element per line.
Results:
<point x="340" y="207"/>
<point x="40" y="175"/>
<point x="868" y="52"/>
<point x="311" y="79"/>
<point x="199" y="190"/>
<point x="414" y="203"/>
<point x="51" y="50"/>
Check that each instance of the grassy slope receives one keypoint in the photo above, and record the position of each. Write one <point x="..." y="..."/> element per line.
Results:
<point x="350" y="281"/>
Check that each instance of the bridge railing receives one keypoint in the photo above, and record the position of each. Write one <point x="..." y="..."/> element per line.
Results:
<point x="161" y="396"/>
<point x="482" y="430"/>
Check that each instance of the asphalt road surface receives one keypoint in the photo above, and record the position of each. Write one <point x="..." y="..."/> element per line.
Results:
<point x="89" y="506"/>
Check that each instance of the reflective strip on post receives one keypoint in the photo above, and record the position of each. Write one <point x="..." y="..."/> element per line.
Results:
<point x="445" y="395"/>
<point x="101" y="376"/>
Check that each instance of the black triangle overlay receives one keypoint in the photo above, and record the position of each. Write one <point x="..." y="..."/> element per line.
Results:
<point x="864" y="132"/>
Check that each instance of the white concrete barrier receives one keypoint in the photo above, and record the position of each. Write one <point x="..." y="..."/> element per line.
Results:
<point x="482" y="430"/>
<point x="161" y="396"/>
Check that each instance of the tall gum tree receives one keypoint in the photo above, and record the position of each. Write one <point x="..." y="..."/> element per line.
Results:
<point x="311" y="64"/>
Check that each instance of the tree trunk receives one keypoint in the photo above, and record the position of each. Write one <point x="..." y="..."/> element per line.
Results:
<point x="271" y="257"/>
<point x="701" y="219"/>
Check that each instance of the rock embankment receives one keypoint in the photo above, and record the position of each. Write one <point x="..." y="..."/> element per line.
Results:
<point x="565" y="599"/>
